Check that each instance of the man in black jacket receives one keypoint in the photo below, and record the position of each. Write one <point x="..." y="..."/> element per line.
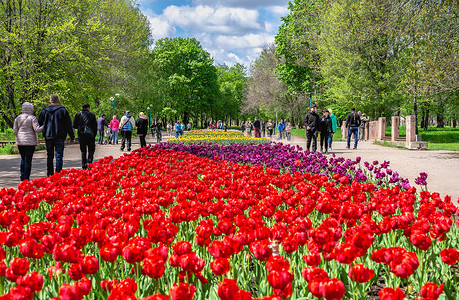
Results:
<point x="312" y="126"/>
<point x="325" y="127"/>
<point x="86" y="125"/>
<point x="56" y="125"/>
<point x="353" y="122"/>
<point x="257" y="125"/>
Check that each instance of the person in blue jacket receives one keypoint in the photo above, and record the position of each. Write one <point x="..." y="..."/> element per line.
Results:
<point x="280" y="128"/>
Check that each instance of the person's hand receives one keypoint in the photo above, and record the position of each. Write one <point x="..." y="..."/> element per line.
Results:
<point x="72" y="142"/>
<point x="308" y="127"/>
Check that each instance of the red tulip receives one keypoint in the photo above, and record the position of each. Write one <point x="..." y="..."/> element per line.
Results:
<point x="220" y="266"/>
<point x="388" y="293"/>
<point x="182" y="291"/>
<point x="21" y="293"/>
<point x="133" y="253"/>
<point x="431" y="290"/>
<point x="32" y="280"/>
<point x="449" y="256"/>
<point x="153" y="266"/>
<point x="109" y="252"/>
<point x="312" y="259"/>
<point x="404" y="265"/>
<point x="279" y="279"/>
<point x="228" y="289"/>
<point x="69" y="292"/>
<point x="156" y="297"/>
<point x="19" y="266"/>
<point x="360" y="273"/>
<point x="310" y="273"/>
<point x="90" y="265"/>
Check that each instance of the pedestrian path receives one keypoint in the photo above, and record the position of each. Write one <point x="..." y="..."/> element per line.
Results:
<point x="442" y="167"/>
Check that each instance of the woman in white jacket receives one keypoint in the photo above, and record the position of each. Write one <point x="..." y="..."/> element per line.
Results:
<point x="25" y="129"/>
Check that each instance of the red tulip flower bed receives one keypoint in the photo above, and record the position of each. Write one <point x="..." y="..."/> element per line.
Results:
<point x="159" y="224"/>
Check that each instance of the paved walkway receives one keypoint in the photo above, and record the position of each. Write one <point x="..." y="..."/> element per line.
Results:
<point x="441" y="166"/>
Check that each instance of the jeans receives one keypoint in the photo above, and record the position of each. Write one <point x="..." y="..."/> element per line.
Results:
<point x="143" y="143"/>
<point x="312" y="137"/>
<point x="355" y="131"/>
<point x="126" y="139"/>
<point x="257" y="132"/>
<point x="324" y="140"/>
<point x="87" y="146"/>
<point x="101" y="137"/>
<point x="115" y="136"/>
<point x="26" y="160"/>
<point x="177" y="134"/>
<point x="288" y="135"/>
<point x="330" y="139"/>
<point x="54" y="147"/>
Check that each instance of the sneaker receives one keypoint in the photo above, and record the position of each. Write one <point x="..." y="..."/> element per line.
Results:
<point x="321" y="150"/>
<point x="326" y="152"/>
<point x="128" y="149"/>
<point x="347" y="147"/>
<point x="355" y="148"/>
<point x="122" y="149"/>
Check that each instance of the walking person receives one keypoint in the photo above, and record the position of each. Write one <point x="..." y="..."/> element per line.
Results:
<point x="334" y="128"/>
<point x="288" y="131"/>
<point x="177" y="129"/>
<point x="247" y="128"/>
<point x="353" y="122"/>
<point x="280" y="128"/>
<point x="188" y="126"/>
<point x="101" y="124"/>
<point x="26" y="128"/>
<point x="86" y="125"/>
<point x="325" y="128"/>
<point x="270" y="127"/>
<point x="169" y="129"/>
<point x="257" y="127"/>
<point x="142" y="129"/>
<point x="114" y="125"/>
<point x="312" y="126"/>
<point x="57" y="124"/>
<point x="127" y="124"/>
<point x="263" y="128"/>
<point x="363" y="121"/>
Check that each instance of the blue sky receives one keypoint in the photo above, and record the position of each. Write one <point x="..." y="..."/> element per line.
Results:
<point x="232" y="31"/>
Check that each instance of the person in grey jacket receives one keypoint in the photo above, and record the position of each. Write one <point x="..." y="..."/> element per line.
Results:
<point x="25" y="129"/>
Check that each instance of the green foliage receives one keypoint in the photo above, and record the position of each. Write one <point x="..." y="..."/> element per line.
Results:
<point x="384" y="57"/>
<point x="186" y="79"/>
<point x="8" y="149"/>
<point x="82" y="50"/>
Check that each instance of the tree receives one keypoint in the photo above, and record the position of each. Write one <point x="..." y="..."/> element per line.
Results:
<point x="233" y="83"/>
<point x="82" y="50"/>
<point x="186" y="77"/>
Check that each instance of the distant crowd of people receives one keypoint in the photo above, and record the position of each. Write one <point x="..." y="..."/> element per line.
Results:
<point x="324" y="125"/>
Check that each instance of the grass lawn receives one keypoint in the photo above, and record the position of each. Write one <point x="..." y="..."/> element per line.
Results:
<point x="302" y="133"/>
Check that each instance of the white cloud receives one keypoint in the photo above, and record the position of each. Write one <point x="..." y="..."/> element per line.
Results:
<point x="279" y="10"/>
<point x="241" y="3"/>
<point x="232" y="31"/>
<point x="233" y="42"/>
<point x="223" y="20"/>
<point x="160" y="26"/>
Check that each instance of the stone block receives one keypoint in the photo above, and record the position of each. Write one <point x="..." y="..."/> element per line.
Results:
<point x="395" y="128"/>
<point x="410" y="129"/>
<point x="381" y="128"/>
<point x="373" y="130"/>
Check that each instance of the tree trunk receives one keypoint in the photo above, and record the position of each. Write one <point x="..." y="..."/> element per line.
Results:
<point x="440" y="113"/>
